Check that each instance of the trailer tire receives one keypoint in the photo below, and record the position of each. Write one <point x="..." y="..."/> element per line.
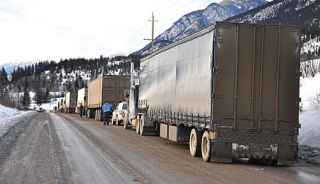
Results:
<point x="205" y="146"/>
<point x="195" y="143"/>
<point x="138" y="125"/>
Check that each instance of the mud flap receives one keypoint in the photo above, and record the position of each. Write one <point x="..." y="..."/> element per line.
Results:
<point x="221" y="152"/>
<point x="288" y="154"/>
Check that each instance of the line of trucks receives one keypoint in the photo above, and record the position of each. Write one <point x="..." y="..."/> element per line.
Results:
<point x="229" y="91"/>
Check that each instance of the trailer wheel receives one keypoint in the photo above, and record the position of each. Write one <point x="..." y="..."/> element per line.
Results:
<point x="195" y="143"/>
<point x="138" y="125"/>
<point x="205" y="147"/>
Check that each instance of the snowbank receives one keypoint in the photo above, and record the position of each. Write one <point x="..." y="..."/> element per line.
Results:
<point x="309" y="117"/>
<point x="10" y="127"/>
<point x="6" y="112"/>
<point x="8" y="123"/>
<point x="10" y="118"/>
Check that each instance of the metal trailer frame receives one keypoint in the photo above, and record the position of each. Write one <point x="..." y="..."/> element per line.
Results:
<point x="253" y="91"/>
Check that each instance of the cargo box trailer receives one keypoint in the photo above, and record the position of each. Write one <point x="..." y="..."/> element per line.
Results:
<point x="82" y="99"/>
<point x="106" y="89"/>
<point x="61" y="105"/>
<point x="230" y="91"/>
<point x="70" y="102"/>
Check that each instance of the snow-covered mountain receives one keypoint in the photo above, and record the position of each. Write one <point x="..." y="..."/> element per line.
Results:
<point x="200" y="19"/>
<point x="9" y="67"/>
<point x="304" y="13"/>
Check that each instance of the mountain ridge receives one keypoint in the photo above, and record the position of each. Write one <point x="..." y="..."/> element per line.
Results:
<point x="199" y="19"/>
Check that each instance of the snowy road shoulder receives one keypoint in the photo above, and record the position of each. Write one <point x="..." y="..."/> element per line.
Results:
<point x="6" y="112"/>
<point x="309" y="117"/>
<point x="7" y="124"/>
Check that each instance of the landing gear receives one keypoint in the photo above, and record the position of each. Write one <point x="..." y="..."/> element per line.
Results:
<point x="138" y="125"/>
<point x="125" y="121"/>
<point x="142" y="124"/>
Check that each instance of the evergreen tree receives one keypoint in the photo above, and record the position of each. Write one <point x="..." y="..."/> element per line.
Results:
<point x="4" y="76"/>
<point x="26" y="99"/>
<point x="46" y="97"/>
<point x="39" y="94"/>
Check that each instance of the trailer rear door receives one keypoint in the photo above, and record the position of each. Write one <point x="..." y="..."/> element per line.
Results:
<point x="256" y="78"/>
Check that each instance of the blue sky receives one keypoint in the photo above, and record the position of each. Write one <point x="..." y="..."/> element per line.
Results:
<point x="33" y="30"/>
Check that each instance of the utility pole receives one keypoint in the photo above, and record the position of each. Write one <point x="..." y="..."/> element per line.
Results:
<point x="152" y="32"/>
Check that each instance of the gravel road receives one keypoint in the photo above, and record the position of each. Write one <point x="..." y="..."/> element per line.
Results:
<point x="60" y="148"/>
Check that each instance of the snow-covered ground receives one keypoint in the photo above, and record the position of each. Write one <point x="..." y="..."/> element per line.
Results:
<point x="6" y="112"/>
<point x="10" y="117"/>
<point x="312" y="45"/>
<point x="309" y="117"/>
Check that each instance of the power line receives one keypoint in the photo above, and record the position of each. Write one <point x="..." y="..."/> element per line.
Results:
<point x="161" y="9"/>
<point x="152" y="32"/>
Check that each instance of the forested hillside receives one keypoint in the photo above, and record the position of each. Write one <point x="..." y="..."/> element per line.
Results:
<point x="50" y="77"/>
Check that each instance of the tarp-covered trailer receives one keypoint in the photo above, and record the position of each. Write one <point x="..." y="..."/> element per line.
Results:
<point x="82" y="99"/>
<point x="230" y="90"/>
<point x="107" y="89"/>
<point x="70" y="102"/>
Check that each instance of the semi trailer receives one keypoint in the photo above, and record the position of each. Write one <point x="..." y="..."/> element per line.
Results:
<point x="105" y="89"/>
<point x="70" y="102"/>
<point x="61" y="105"/>
<point x="82" y="99"/>
<point x="230" y="91"/>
